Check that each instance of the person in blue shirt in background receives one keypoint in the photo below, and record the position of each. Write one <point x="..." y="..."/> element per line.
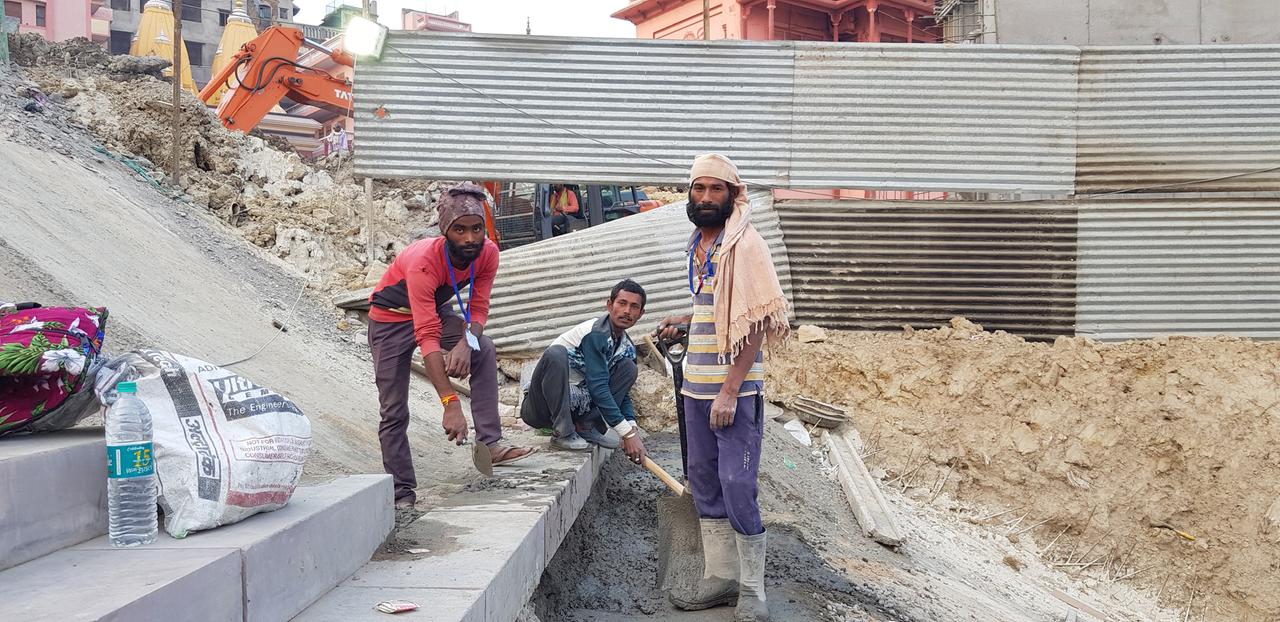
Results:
<point x="581" y="388"/>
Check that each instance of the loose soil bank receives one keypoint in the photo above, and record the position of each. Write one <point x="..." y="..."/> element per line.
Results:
<point x="820" y="566"/>
<point x="1094" y="442"/>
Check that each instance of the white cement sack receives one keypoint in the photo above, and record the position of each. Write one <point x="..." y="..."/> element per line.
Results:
<point x="225" y="448"/>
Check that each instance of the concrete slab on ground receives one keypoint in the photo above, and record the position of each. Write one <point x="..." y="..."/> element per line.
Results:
<point x="34" y="522"/>
<point x="487" y="547"/>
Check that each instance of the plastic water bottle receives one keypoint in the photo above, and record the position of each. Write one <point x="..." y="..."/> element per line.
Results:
<point x="131" y="472"/>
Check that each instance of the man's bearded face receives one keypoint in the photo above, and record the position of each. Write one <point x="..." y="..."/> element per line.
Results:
<point x="709" y="214"/>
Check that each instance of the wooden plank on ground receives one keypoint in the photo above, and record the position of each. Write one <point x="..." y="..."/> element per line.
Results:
<point x="869" y="506"/>
<point x="358" y="300"/>
<point x="1078" y="604"/>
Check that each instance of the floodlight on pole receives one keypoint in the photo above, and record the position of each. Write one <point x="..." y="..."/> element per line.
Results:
<point x="364" y="37"/>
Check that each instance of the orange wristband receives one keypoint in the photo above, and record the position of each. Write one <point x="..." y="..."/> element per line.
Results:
<point x="452" y="397"/>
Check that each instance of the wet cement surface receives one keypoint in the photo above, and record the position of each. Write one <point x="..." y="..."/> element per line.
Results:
<point x="606" y="570"/>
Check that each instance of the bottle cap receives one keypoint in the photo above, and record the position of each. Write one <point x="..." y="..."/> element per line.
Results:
<point x="127" y="387"/>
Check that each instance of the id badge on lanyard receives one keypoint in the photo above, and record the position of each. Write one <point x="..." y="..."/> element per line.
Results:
<point x="472" y="340"/>
<point x="710" y="267"/>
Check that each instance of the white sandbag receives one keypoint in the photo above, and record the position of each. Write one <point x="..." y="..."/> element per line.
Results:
<point x="225" y="447"/>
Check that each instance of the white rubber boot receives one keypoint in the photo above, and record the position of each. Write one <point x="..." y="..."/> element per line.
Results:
<point x="751" y="603"/>
<point x="719" y="583"/>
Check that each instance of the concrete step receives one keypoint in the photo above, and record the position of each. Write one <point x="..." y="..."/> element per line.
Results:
<point x="266" y="568"/>
<point x="53" y="492"/>
<point x="486" y="549"/>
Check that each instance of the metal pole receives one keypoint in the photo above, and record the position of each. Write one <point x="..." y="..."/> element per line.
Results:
<point x="368" y="237"/>
<point x="176" y="168"/>
<point x="706" y="20"/>
<point x="771" y="6"/>
<point x="368" y="195"/>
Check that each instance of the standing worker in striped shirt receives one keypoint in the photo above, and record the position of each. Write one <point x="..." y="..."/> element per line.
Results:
<point x="737" y="304"/>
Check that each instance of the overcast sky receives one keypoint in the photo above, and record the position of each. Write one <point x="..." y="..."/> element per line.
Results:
<point x="583" y="18"/>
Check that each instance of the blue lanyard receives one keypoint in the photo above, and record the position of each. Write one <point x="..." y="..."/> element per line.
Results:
<point x="466" y="310"/>
<point x="711" y="267"/>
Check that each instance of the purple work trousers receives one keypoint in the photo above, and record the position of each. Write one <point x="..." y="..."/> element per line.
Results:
<point x="723" y="464"/>
<point x="393" y="345"/>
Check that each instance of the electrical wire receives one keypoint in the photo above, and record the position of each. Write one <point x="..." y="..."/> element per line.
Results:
<point x="768" y="186"/>
<point x="284" y="325"/>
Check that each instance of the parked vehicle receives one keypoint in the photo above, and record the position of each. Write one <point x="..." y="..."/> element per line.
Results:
<point x="523" y="214"/>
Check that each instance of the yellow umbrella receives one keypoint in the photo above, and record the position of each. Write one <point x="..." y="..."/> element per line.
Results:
<point x="155" y="38"/>
<point x="239" y="31"/>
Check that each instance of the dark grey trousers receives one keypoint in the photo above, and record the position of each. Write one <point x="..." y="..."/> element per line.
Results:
<point x="393" y="345"/>
<point x="547" y="404"/>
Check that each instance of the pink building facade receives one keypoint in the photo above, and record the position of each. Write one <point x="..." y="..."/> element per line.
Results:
<point x="874" y="21"/>
<point x="421" y="20"/>
<point x="59" y="20"/>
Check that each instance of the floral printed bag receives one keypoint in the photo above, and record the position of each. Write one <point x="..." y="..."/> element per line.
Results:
<point x="46" y="356"/>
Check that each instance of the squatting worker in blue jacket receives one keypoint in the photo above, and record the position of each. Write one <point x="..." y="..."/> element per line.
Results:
<point x="581" y="388"/>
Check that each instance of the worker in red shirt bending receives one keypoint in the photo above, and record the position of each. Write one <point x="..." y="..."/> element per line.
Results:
<point x="412" y="307"/>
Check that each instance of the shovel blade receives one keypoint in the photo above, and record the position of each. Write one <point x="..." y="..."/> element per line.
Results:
<point x="679" y="542"/>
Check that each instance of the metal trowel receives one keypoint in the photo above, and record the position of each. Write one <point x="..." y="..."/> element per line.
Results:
<point x="482" y="458"/>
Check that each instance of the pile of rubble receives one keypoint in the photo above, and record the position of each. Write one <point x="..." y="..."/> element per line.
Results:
<point x="1143" y="462"/>
<point x="314" y="216"/>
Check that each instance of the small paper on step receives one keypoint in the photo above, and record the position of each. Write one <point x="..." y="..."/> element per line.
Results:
<point x="395" y="606"/>
<point x="797" y="429"/>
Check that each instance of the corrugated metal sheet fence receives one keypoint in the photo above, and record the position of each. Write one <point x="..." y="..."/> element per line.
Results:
<point x="1189" y="266"/>
<point x="658" y="99"/>
<point x="625" y="110"/>
<point x="933" y="117"/>
<point x="1043" y="119"/>
<point x="1159" y="115"/>
<point x="1108" y="268"/>
<point x="880" y="265"/>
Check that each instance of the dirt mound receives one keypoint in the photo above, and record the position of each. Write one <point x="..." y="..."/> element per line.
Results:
<point x="665" y="194"/>
<point x="29" y="49"/>
<point x="314" y="216"/>
<point x="653" y="396"/>
<point x="1095" y="443"/>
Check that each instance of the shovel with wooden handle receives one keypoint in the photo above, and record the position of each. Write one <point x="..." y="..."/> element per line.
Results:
<point x="679" y="535"/>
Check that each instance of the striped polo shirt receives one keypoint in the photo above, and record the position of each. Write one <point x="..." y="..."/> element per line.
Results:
<point x="703" y="372"/>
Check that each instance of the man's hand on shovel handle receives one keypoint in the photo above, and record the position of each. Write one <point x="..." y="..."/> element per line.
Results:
<point x="634" y="448"/>
<point x="669" y="328"/>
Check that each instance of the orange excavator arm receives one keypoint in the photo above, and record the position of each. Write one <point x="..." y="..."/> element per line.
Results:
<point x="266" y="70"/>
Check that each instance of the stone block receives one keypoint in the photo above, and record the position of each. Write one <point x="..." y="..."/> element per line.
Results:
<point x="144" y="583"/>
<point x="292" y="556"/>
<point x="53" y="493"/>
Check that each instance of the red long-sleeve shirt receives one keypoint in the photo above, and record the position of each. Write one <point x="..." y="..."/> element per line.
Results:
<point x="417" y="284"/>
